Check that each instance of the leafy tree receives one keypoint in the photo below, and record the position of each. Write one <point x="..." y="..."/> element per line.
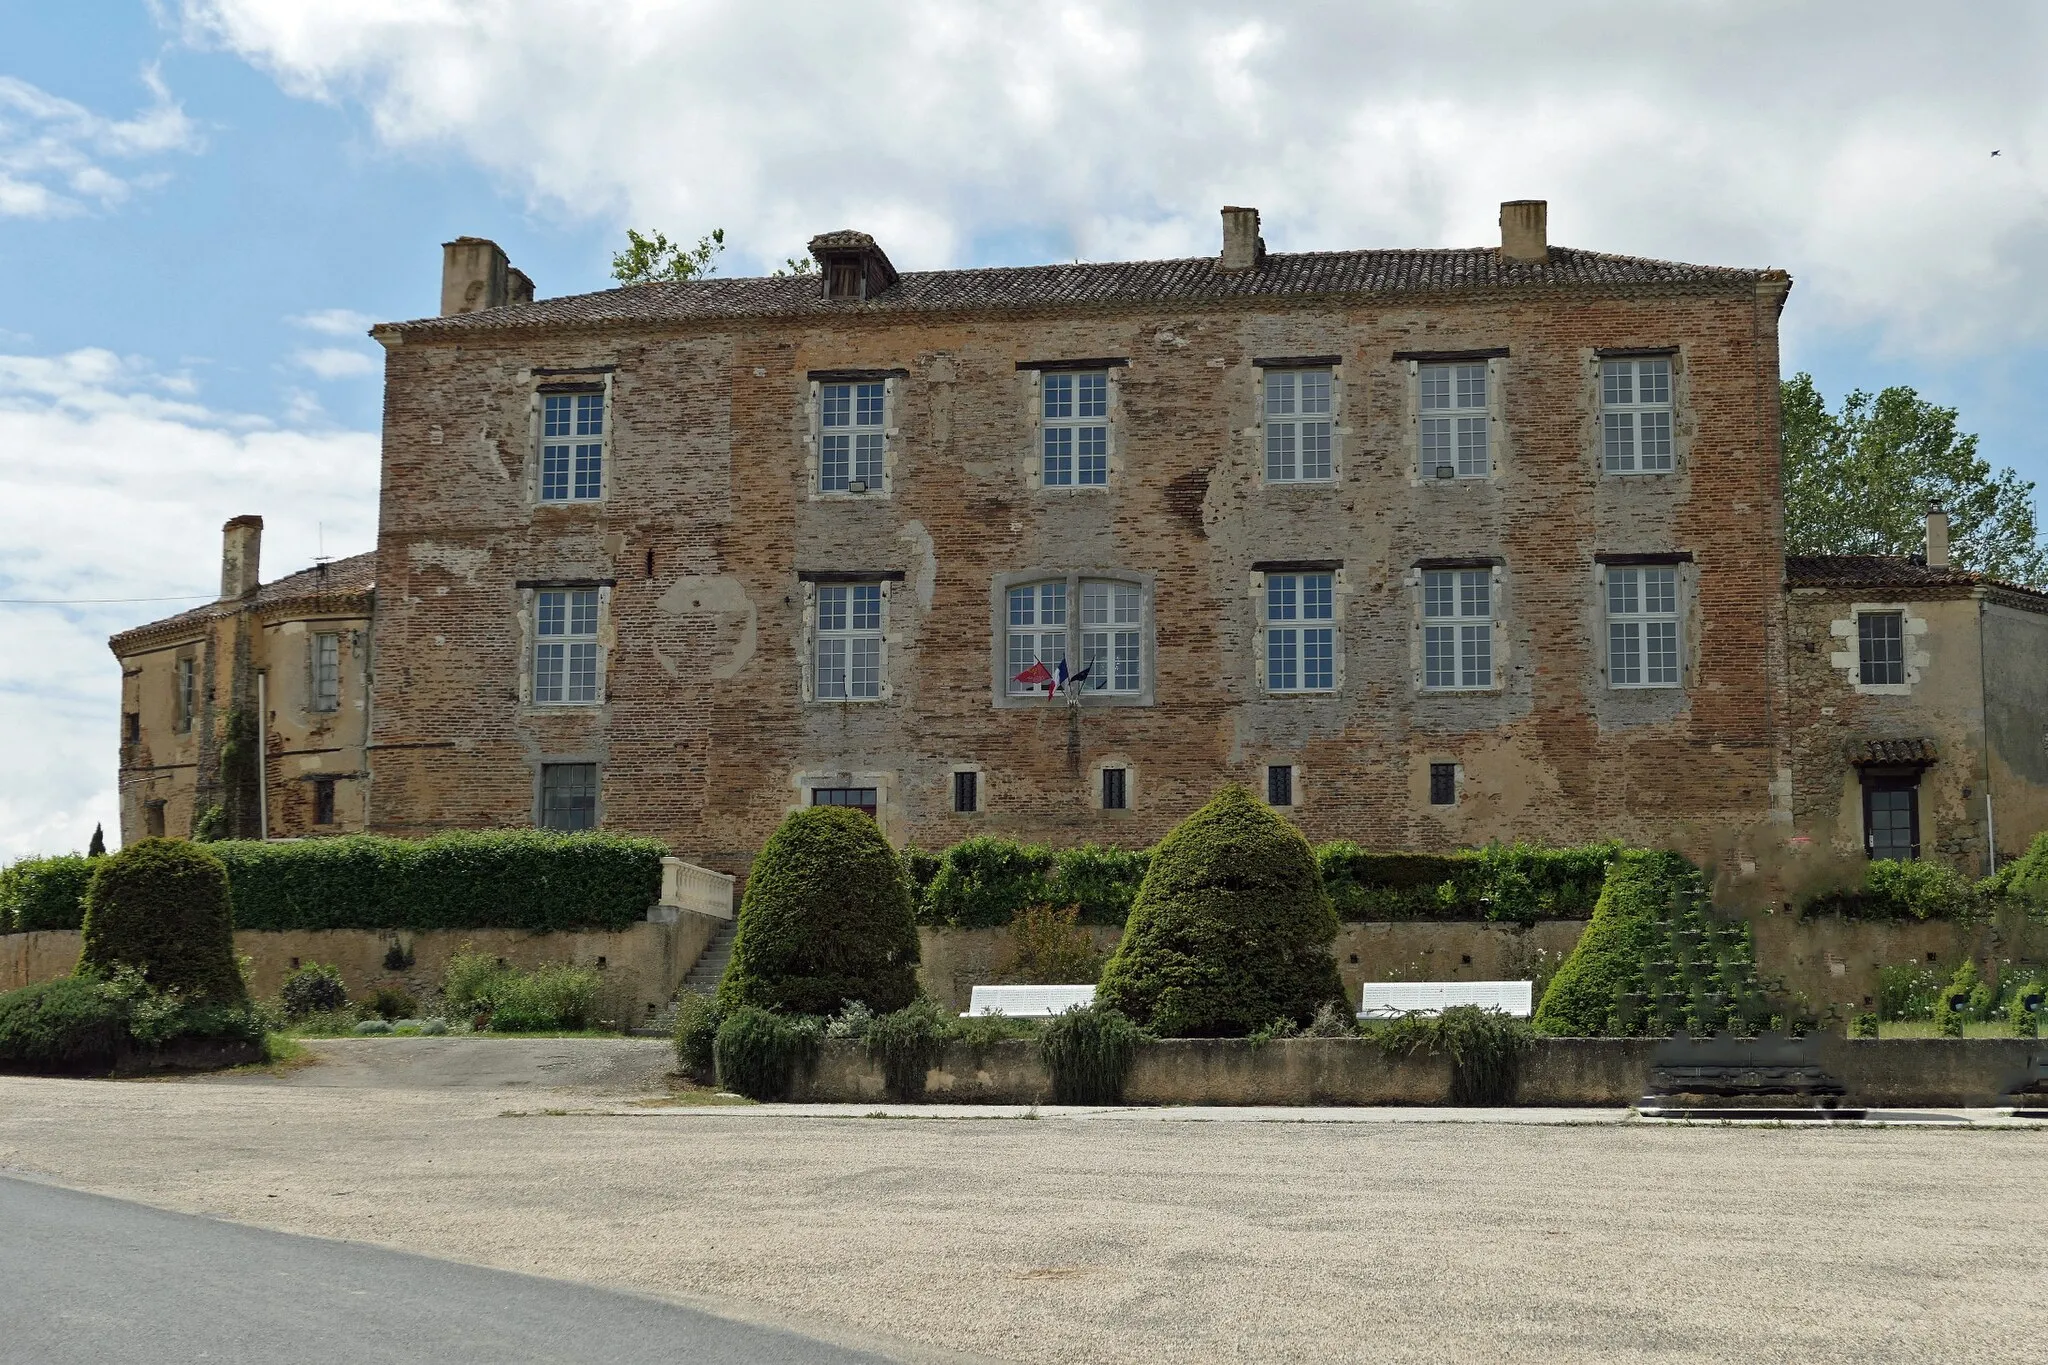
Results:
<point x="654" y="258"/>
<point x="795" y="265"/>
<point x="1859" y="481"/>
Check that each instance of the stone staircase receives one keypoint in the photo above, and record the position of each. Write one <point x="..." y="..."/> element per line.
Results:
<point x="703" y="979"/>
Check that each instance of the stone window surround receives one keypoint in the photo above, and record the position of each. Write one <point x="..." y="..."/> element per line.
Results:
<point x="981" y="789"/>
<point x="607" y="640"/>
<point x="583" y="379"/>
<point x="1411" y="583"/>
<point x="1495" y="359"/>
<point x="1113" y="760"/>
<point x="884" y="784"/>
<point x="891" y="581"/>
<point x="1681" y="425"/>
<point x="1848" y="662"/>
<point x="1340" y="591"/>
<point x="1688" y="595"/>
<point x="1340" y="416"/>
<point x="999" y="625"/>
<point x="548" y="760"/>
<point x="1282" y="761"/>
<point x="1430" y="761"/>
<point x="891" y="381"/>
<point x="1030" y="373"/>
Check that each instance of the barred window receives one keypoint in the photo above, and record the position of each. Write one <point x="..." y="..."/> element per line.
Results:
<point x="1881" y="647"/>
<point x="1457" y="630"/>
<point x="568" y="796"/>
<point x="1280" y="784"/>
<point x="572" y="447"/>
<point x="1453" y="421"/>
<point x="849" y="642"/>
<point x="850" y="449"/>
<point x="565" y="665"/>
<point x="1297" y="426"/>
<point x="1074" y="417"/>
<point x="1635" y="416"/>
<point x="1642" y="627"/>
<point x="1300" y="646"/>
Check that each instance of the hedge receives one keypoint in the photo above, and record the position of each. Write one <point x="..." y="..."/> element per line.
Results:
<point x="160" y="907"/>
<point x="1896" y="890"/>
<point x="497" y="879"/>
<point x="982" y="883"/>
<point x="44" y="893"/>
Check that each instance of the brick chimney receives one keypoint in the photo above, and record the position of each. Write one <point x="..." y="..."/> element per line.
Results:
<point x="476" y="275"/>
<point x="1243" y="248"/>
<point x="1937" y="537"/>
<point x="1525" y="230"/>
<point x="241" y="551"/>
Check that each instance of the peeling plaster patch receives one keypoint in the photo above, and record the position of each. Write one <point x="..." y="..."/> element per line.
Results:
<point x="488" y="459"/>
<point x="718" y="595"/>
<point x="926" y="579"/>
<point x="463" y="563"/>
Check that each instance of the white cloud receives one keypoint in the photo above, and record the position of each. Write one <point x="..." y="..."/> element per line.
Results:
<point x="1855" y="152"/>
<point x="335" y="322"/>
<point x="53" y="152"/>
<point x="115" y="487"/>
<point x="336" y="362"/>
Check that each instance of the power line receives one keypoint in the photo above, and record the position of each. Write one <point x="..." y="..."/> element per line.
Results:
<point x="94" y="601"/>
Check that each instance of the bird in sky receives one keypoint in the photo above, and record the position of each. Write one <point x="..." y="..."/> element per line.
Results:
<point x="1994" y="152"/>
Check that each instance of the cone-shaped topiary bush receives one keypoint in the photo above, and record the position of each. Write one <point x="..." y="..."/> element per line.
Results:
<point x="1607" y="963"/>
<point x="161" y="907"/>
<point x="826" y="919"/>
<point x="1231" y="929"/>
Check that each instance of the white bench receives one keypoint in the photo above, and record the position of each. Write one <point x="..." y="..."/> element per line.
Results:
<point x="1027" y="1002"/>
<point x="1392" y="999"/>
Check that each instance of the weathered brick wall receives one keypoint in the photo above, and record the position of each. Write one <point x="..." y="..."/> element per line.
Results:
<point x="705" y="736"/>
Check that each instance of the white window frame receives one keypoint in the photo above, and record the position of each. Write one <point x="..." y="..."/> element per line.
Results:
<point x="1112" y="624"/>
<point x="1629" y="422"/>
<point x="1290" y="419"/>
<point x="1638" y="611"/>
<point x="1100" y="619"/>
<point x="585" y="456"/>
<point x="1039" y="613"/>
<point x="849" y="652"/>
<point x="557" y="677"/>
<point x="324" y="693"/>
<point x="1286" y="601"/>
<point x="872" y="436"/>
<point x="1468" y="633"/>
<point x="1078" y="431"/>
<point x="1457" y="416"/>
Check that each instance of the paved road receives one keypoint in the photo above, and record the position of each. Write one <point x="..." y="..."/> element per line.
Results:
<point x="90" y="1279"/>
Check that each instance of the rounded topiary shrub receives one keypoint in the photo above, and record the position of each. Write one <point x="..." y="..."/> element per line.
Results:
<point x="826" y="919"/>
<point x="315" y="988"/>
<point x="161" y="907"/>
<point x="1231" y="929"/>
<point x="1643" y="890"/>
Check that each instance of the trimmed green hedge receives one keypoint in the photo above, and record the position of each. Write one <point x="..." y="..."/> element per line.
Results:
<point x="1895" y="890"/>
<point x="497" y="879"/>
<point x="44" y="893"/>
<point x="160" y="907"/>
<point x="982" y="883"/>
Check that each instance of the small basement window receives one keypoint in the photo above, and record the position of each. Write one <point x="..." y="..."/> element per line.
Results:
<point x="1443" y="784"/>
<point x="966" y="793"/>
<point x="862" y="799"/>
<point x="1116" y="789"/>
<point x="323" y="800"/>
<point x="1280" y="784"/>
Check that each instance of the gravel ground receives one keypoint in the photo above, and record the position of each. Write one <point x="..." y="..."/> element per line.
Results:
<point x="1100" y="1237"/>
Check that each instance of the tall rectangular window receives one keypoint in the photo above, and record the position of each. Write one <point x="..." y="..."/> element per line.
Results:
<point x="1280" y="784"/>
<point x="568" y="796"/>
<point x="1891" y="817"/>
<point x="1881" y="647"/>
<point x="1301" y="651"/>
<point x="850" y="450"/>
<point x="1453" y="421"/>
<point x="565" y="650"/>
<point x="1642" y="627"/>
<point x="1297" y="426"/>
<point x="1443" y="784"/>
<point x="323" y="800"/>
<point x="966" y="793"/>
<point x="849" y="641"/>
<point x="1111" y="633"/>
<point x="327" y="671"/>
<point x="571" y="447"/>
<point x="1037" y="633"/>
<point x="1116" y="789"/>
<point x="185" y="700"/>
<point x="1635" y="416"/>
<point x="1074" y="419"/>
<point x="1457" y="629"/>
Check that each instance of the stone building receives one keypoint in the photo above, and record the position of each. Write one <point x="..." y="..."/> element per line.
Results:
<point x="1919" y="708"/>
<point x="1430" y="546"/>
<point x="279" y="670"/>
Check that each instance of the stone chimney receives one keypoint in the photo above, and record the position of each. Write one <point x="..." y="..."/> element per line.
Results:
<point x="241" y="551"/>
<point x="1937" y="537"/>
<point x="519" y="285"/>
<point x="1525" y="230"/>
<point x="475" y="275"/>
<point x="1243" y="248"/>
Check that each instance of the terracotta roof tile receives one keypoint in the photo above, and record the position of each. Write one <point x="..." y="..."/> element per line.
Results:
<point x="1893" y="753"/>
<point x="340" y="577"/>
<point x="1099" y="284"/>
<point x="1873" y="571"/>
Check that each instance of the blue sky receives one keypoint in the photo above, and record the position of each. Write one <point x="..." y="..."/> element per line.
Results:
<point x="202" y="203"/>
